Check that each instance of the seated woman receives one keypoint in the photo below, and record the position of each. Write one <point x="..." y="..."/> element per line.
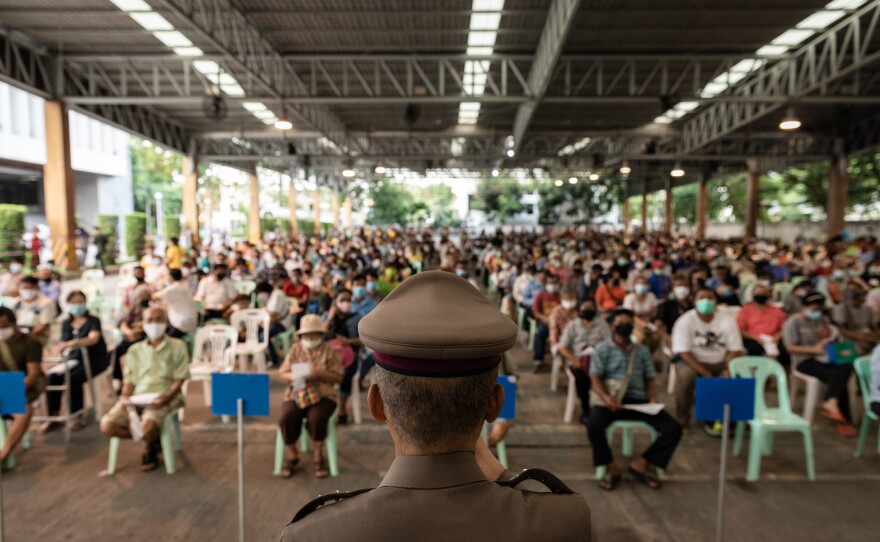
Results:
<point x="79" y="330"/>
<point x="581" y="333"/>
<point x="312" y="397"/>
<point x="340" y="324"/>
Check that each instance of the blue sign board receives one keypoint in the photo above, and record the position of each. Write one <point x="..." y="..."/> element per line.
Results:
<point x="714" y="393"/>
<point x="227" y="389"/>
<point x="12" y="398"/>
<point x="508" y="409"/>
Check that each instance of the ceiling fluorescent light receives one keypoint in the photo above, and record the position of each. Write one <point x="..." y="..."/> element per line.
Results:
<point x="793" y="36"/>
<point x="713" y="89"/>
<point x="662" y="119"/>
<point x="253" y="107"/>
<point x="485" y="21"/>
<point x="482" y="38"/>
<point x="188" y="51"/>
<point x="233" y="89"/>
<point x="821" y="19"/>
<point x="151" y="21"/>
<point x="479" y="51"/>
<point x="173" y="38"/>
<point x="132" y="5"/>
<point x="206" y="66"/>
<point x="264" y="114"/>
<point x="772" y="50"/>
<point x="469" y="106"/>
<point x="747" y="65"/>
<point x="467" y="120"/>
<point x="686" y="106"/>
<point x="270" y="122"/>
<point x="487" y="5"/>
<point x="845" y="4"/>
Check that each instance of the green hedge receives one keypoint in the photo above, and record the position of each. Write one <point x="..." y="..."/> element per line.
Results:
<point x="269" y="224"/>
<point x="109" y="225"/>
<point x="11" y="230"/>
<point x="171" y="226"/>
<point x="135" y="231"/>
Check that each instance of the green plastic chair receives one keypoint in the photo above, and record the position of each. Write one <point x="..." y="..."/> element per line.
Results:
<point x="171" y="423"/>
<point x="284" y="341"/>
<point x="25" y="444"/>
<point x="520" y="317"/>
<point x="332" y="448"/>
<point x="7" y="301"/>
<point x="533" y="327"/>
<point x="862" y="366"/>
<point x="768" y="420"/>
<point x="628" y="429"/>
<point x="781" y="290"/>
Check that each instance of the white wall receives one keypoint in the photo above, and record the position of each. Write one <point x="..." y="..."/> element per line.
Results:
<point x="22" y="126"/>
<point x="787" y="232"/>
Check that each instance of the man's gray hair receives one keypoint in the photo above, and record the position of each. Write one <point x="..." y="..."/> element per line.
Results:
<point x="428" y="412"/>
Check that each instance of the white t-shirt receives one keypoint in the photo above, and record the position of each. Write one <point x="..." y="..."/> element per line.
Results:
<point x="216" y="294"/>
<point x="183" y="313"/>
<point x="640" y="306"/>
<point x="708" y="341"/>
<point x="279" y="304"/>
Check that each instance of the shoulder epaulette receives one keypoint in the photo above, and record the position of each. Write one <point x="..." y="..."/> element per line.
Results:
<point x="323" y="500"/>
<point x="550" y="481"/>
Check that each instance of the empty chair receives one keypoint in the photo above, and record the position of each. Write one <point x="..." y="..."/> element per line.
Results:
<point x="768" y="420"/>
<point x="245" y="287"/>
<point x="213" y="352"/>
<point x="256" y="344"/>
<point x="862" y="367"/>
<point x="92" y="284"/>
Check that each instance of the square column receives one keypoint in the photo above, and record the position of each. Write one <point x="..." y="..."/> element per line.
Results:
<point x="254" y="233"/>
<point x="347" y="206"/>
<point x="667" y="223"/>
<point x="626" y="218"/>
<point x="838" y="194"/>
<point x="317" y="209"/>
<point x="291" y="206"/>
<point x="702" y="207"/>
<point x="190" y="194"/>
<point x="753" y="197"/>
<point x="59" y="187"/>
<point x="334" y="201"/>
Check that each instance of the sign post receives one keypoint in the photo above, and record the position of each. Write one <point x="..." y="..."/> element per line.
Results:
<point x="725" y="399"/>
<point x="12" y="401"/>
<point x="240" y="395"/>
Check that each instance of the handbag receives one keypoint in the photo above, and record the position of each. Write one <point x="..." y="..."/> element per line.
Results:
<point x="841" y="353"/>
<point x="306" y="397"/>
<point x="615" y="388"/>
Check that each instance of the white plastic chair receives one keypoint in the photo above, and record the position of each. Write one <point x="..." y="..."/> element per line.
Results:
<point x="570" y="398"/>
<point x="812" y="390"/>
<point x="245" y="287"/>
<point x="126" y="272"/>
<point x="253" y="320"/>
<point x="213" y="352"/>
<point x="554" y="371"/>
<point x="92" y="284"/>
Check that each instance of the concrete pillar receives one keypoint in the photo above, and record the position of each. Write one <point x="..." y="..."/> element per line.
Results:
<point x="753" y="198"/>
<point x="645" y="207"/>
<point x="348" y="219"/>
<point x="334" y="201"/>
<point x="190" y="198"/>
<point x="626" y="218"/>
<point x="317" y="205"/>
<point x="702" y="207"/>
<point x="291" y="206"/>
<point x="668" y="218"/>
<point x="254" y="233"/>
<point x="59" y="187"/>
<point x="838" y="194"/>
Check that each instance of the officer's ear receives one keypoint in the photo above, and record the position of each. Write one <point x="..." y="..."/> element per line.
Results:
<point x="496" y="400"/>
<point x="377" y="407"/>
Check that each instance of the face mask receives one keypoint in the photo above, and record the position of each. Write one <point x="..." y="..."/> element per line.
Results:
<point x="552" y="288"/>
<point x="814" y="315"/>
<point x="15" y="268"/>
<point x="140" y="280"/>
<point x="144" y="304"/>
<point x="568" y="305"/>
<point x="155" y="331"/>
<point x="461" y="273"/>
<point x="760" y="299"/>
<point x="220" y="276"/>
<point x="310" y="344"/>
<point x="77" y="309"/>
<point x="588" y="314"/>
<point x="344" y="306"/>
<point x="622" y="262"/>
<point x="623" y="330"/>
<point x="359" y="291"/>
<point x="681" y="292"/>
<point x="658" y="271"/>
<point x="726" y="293"/>
<point x="640" y="265"/>
<point x="371" y="286"/>
<point x="6" y="333"/>
<point x="641" y="289"/>
<point x="27" y="295"/>
<point x="705" y="306"/>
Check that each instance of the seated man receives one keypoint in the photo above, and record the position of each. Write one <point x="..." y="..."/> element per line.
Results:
<point x="20" y="352"/>
<point x="857" y="321"/>
<point x="705" y="342"/>
<point x="34" y="312"/>
<point x="806" y="335"/>
<point x="610" y="362"/>
<point x="183" y="313"/>
<point x="216" y="292"/>
<point x="159" y="365"/>
<point x="761" y="325"/>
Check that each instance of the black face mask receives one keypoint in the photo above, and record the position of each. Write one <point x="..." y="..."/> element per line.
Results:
<point x="623" y="330"/>
<point x="588" y="314"/>
<point x="139" y="279"/>
<point x="220" y="276"/>
<point x="760" y="299"/>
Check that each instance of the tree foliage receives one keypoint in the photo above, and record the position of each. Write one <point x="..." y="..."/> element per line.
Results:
<point x="499" y="198"/>
<point x="581" y="202"/>
<point x="152" y="170"/>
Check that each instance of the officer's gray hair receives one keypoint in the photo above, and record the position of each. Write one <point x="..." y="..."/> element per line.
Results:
<point x="435" y="412"/>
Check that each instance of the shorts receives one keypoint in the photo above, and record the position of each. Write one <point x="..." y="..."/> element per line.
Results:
<point x="118" y="414"/>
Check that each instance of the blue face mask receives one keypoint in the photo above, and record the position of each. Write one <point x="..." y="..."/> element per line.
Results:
<point x="641" y="288"/>
<point x="461" y="273"/>
<point x="814" y="315"/>
<point x="77" y="309"/>
<point x="359" y="291"/>
<point x="371" y="286"/>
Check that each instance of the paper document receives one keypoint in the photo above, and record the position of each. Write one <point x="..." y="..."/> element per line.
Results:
<point x="134" y="424"/>
<point x="300" y="370"/>
<point x="59" y="368"/>
<point x="651" y="409"/>
<point x="143" y="399"/>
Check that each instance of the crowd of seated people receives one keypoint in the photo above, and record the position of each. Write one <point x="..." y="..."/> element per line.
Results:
<point x="691" y="304"/>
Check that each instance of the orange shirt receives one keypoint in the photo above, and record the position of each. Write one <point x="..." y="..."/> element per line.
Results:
<point x="610" y="297"/>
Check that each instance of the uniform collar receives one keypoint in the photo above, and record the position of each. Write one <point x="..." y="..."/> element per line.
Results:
<point x="433" y="471"/>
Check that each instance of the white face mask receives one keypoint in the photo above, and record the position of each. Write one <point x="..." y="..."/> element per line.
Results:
<point x="310" y="344"/>
<point x="155" y="331"/>
<point x="568" y="305"/>
<point x="28" y="294"/>
<point x="15" y="268"/>
<point x="681" y="292"/>
<point x="6" y="333"/>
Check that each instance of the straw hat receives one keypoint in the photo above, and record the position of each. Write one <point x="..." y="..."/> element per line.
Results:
<point x="310" y="323"/>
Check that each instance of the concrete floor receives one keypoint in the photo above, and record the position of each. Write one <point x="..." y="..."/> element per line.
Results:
<point x="57" y="494"/>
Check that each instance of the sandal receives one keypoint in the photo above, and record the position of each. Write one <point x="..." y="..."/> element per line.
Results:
<point x="321" y="469"/>
<point x="646" y="478"/>
<point x="846" y="430"/>
<point x="833" y="415"/>
<point x="610" y="481"/>
<point x="289" y="467"/>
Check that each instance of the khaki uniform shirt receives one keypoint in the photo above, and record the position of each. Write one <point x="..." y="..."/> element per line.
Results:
<point x="445" y="498"/>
